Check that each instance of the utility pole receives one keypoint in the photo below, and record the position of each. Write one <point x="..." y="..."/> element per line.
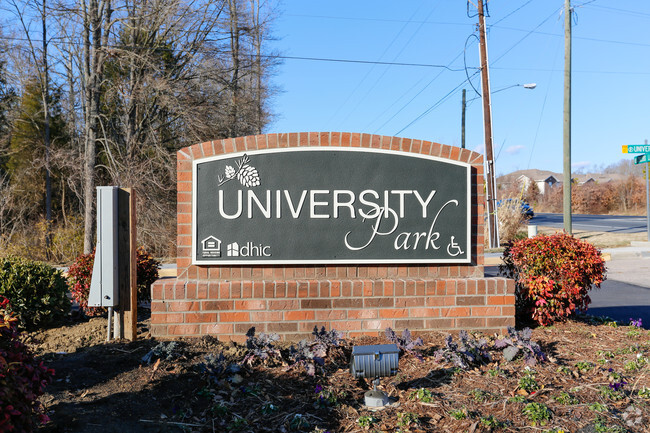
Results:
<point x="647" y="196"/>
<point x="462" y="123"/>
<point x="567" y="117"/>
<point x="491" y="199"/>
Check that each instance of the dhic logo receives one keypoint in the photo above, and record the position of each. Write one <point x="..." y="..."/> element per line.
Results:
<point x="248" y="250"/>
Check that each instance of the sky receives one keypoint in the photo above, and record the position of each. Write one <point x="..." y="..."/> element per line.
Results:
<point x="330" y="79"/>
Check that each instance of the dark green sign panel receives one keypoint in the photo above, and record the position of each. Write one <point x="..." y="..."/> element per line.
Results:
<point x="336" y="205"/>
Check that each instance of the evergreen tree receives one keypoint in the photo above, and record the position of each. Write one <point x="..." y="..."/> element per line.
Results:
<point x="25" y="163"/>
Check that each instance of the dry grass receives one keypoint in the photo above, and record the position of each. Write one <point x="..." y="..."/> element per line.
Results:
<point x="600" y="239"/>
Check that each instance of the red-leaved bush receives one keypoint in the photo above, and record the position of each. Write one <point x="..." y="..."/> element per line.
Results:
<point x="553" y="275"/>
<point x="22" y="378"/>
<point x="81" y="271"/>
<point x="79" y="274"/>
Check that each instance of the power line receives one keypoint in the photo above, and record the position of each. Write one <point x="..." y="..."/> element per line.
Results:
<point x="526" y="36"/>
<point x="384" y="20"/>
<point x="336" y="112"/>
<point x="582" y="71"/>
<point x="418" y="94"/>
<point x="541" y="114"/>
<point x="369" y="62"/>
<point x="468" y="79"/>
<point x="359" y="100"/>
<point x="623" y="11"/>
<point x="267" y="56"/>
<point x="513" y="12"/>
<point x="436" y="105"/>
<point x="609" y="41"/>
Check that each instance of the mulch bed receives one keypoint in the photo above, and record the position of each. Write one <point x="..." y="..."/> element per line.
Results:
<point x="596" y="380"/>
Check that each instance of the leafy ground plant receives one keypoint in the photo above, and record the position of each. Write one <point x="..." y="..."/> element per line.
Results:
<point x="468" y="352"/>
<point x="518" y="344"/>
<point x="459" y="413"/>
<point x="528" y="382"/>
<point x="307" y="356"/>
<point x="167" y="351"/>
<point x="423" y="394"/>
<point x="537" y="413"/>
<point x="311" y="354"/>
<point x="407" y="419"/>
<point x="217" y="367"/>
<point x="491" y="422"/>
<point x="261" y="348"/>
<point x="366" y="421"/>
<point x="405" y="343"/>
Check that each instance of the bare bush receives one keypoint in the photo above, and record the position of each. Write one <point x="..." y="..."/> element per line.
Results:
<point x="511" y="220"/>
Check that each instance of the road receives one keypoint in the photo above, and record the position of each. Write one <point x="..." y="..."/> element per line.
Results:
<point x="594" y="223"/>
<point x="625" y="294"/>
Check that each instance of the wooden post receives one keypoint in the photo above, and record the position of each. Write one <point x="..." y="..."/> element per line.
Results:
<point x="128" y="284"/>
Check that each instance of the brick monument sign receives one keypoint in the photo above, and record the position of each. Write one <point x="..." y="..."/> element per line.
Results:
<point x="354" y="232"/>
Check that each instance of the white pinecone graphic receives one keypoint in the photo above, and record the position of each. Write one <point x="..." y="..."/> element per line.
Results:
<point x="248" y="176"/>
<point x="245" y="173"/>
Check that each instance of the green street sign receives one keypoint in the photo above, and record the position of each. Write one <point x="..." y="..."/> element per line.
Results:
<point x="641" y="159"/>
<point x="636" y="148"/>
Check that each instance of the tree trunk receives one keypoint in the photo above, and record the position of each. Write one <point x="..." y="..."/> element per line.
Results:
<point x="96" y="28"/>
<point x="234" y="82"/>
<point x="45" y="85"/>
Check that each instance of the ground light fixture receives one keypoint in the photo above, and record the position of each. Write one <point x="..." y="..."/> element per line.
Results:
<point x="373" y="362"/>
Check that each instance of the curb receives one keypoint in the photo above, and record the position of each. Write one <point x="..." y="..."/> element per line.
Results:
<point x="628" y="253"/>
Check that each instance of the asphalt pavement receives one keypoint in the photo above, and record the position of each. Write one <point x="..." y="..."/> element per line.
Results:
<point x="594" y="223"/>
<point x="625" y="294"/>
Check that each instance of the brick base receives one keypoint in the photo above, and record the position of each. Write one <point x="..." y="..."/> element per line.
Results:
<point x="291" y="308"/>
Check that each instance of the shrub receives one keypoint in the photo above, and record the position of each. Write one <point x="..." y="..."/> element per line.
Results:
<point x="79" y="274"/>
<point x="22" y="378"/>
<point x="81" y="271"/>
<point x="37" y="292"/>
<point x="147" y="273"/>
<point x="552" y="275"/>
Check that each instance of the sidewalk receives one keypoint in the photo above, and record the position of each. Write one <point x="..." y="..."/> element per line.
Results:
<point x="635" y="250"/>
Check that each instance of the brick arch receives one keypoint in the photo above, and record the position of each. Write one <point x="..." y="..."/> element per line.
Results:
<point x="317" y="139"/>
<point x="289" y="300"/>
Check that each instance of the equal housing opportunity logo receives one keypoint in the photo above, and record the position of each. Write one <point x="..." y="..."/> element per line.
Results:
<point x="315" y="205"/>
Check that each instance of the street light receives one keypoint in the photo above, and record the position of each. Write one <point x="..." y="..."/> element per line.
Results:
<point x="491" y="198"/>
<point x="529" y="86"/>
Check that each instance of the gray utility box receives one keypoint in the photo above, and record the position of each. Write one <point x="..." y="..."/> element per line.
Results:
<point x="104" y="284"/>
<point x="374" y="361"/>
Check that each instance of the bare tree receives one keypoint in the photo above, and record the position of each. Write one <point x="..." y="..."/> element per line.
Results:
<point x="142" y="78"/>
<point x="41" y="63"/>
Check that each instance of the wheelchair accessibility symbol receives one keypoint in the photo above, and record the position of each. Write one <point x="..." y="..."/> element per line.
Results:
<point x="453" y="249"/>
